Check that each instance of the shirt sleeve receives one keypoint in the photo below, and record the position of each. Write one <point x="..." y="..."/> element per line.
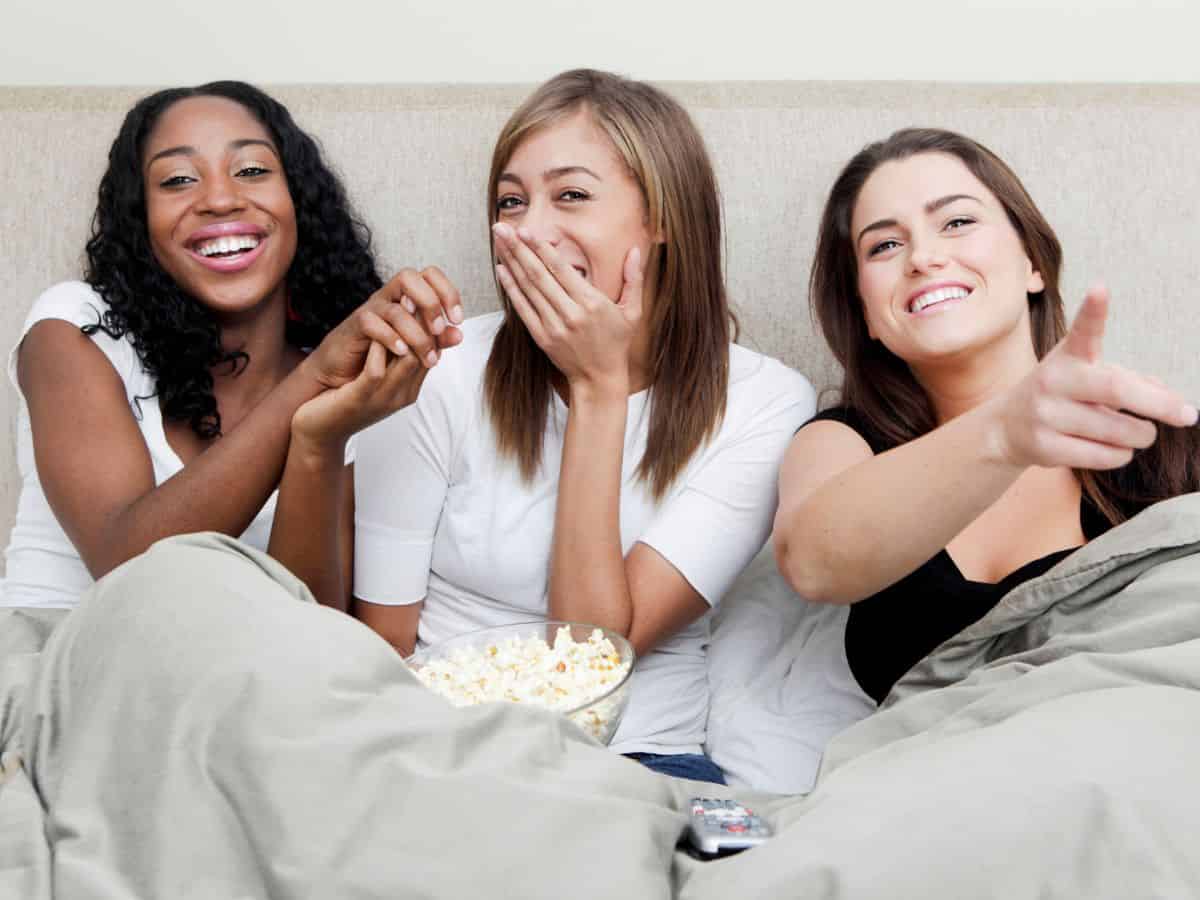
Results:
<point x="401" y="475"/>
<point x="76" y="302"/>
<point x="712" y="526"/>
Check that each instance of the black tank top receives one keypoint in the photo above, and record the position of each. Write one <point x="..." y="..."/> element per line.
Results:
<point x="889" y="632"/>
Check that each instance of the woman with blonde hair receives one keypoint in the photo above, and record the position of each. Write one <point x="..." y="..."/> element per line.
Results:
<point x="599" y="450"/>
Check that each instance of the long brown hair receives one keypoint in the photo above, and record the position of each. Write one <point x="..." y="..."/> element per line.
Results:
<point x="881" y="388"/>
<point x="690" y="321"/>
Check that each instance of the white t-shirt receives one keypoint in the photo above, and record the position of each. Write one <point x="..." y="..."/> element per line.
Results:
<point x="43" y="566"/>
<point x="441" y="516"/>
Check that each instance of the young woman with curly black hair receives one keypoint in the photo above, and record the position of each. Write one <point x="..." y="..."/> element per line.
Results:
<point x="174" y="390"/>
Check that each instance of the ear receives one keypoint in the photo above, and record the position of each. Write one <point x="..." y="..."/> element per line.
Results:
<point x="1035" y="284"/>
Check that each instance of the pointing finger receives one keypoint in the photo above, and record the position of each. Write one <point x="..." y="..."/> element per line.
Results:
<point x="1085" y="338"/>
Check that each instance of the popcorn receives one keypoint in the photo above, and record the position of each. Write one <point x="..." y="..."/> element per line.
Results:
<point x="528" y="670"/>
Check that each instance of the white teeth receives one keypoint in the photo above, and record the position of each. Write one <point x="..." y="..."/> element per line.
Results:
<point x="230" y="244"/>
<point x="931" y="297"/>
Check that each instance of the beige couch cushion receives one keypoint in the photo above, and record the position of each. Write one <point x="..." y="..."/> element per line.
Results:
<point x="1114" y="169"/>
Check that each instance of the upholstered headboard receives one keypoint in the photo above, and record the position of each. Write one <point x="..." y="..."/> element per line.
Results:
<point x="1113" y="167"/>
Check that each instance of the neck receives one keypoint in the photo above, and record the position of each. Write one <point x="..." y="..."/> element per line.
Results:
<point x="260" y="335"/>
<point x="957" y="384"/>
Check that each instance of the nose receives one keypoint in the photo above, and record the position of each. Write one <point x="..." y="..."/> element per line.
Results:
<point x="221" y="194"/>
<point x="541" y="219"/>
<point x="925" y="254"/>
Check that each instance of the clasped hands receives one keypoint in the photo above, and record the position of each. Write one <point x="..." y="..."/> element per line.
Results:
<point x="376" y="360"/>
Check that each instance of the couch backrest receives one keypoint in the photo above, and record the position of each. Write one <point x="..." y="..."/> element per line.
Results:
<point x="1113" y="168"/>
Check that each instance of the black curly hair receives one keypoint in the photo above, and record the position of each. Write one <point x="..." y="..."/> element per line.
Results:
<point x="178" y="339"/>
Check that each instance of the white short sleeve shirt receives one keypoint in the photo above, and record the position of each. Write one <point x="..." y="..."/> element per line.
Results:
<point x="441" y="516"/>
<point x="43" y="568"/>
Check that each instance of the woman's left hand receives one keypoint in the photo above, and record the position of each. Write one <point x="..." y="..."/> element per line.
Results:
<point x="387" y="383"/>
<point x="586" y="334"/>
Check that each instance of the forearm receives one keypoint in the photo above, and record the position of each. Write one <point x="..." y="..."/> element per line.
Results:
<point x="587" y="567"/>
<point x="875" y="522"/>
<point x="221" y="490"/>
<point x="306" y="535"/>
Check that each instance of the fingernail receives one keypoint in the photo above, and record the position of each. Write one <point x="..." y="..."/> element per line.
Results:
<point x="409" y="305"/>
<point x="500" y="229"/>
<point x="525" y="233"/>
<point x="401" y="348"/>
<point x="456" y="315"/>
<point x="431" y="358"/>
<point x="439" y="325"/>
<point x="1190" y="413"/>
<point x="501" y="271"/>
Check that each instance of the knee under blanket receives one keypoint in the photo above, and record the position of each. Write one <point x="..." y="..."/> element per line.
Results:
<point x="193" y="731"/>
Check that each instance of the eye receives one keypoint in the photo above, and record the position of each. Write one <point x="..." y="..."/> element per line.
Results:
<point x="959" y="222"/>
<point x="176" y="181"/>
<point x="252" y="171"/>
<point x="571" y="195"/>
<point x="508" y="203"/>
<point x="883" y="247"/>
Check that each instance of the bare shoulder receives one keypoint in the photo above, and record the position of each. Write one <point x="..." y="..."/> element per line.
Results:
<point x="825" y="435"/>
<point x="819" y="451"/>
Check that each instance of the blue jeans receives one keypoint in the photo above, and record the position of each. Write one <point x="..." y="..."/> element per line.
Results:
<point x="695" y="766"/>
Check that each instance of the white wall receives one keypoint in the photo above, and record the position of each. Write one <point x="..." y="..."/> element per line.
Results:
<point x="142" y="42"/>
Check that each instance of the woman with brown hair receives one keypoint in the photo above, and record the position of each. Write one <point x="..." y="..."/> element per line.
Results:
<point x="599" y="451"/>
<point x="979" y="440"/>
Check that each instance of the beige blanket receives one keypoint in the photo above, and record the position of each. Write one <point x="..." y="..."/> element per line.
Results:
<point x="195" y="731"/>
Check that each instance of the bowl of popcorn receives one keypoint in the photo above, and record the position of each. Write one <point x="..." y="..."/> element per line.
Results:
<point x="577" y="669"/>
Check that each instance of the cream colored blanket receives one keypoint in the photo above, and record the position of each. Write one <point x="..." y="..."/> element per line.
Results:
<point x="195" y="731"/>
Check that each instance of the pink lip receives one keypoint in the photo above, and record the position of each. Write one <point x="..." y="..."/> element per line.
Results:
<point x="934" y="287"/>
<point x="230" y="264"/>
<point x="227" y="229"/>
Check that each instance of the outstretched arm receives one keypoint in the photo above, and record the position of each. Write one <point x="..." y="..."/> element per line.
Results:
<point x="851" y="523"/>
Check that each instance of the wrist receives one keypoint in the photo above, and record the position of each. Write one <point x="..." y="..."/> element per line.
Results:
<point x="609" y="390"/>
<point x="309" y="376"/>
<point x="318" y="452"/>
<point x="996" y="447"/>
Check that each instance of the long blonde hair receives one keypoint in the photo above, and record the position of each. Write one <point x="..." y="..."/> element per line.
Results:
<point x="690" y="324"/>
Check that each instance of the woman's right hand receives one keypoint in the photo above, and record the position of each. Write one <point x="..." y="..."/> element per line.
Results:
<point x="415" y="313"/>
<point x="1076" y="410"/>
<point x="387" y="383"/>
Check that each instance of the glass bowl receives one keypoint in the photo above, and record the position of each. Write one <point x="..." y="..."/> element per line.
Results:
<point x="510" y="664"/>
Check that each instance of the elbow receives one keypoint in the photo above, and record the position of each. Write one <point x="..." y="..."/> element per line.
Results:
<point x="402" y="639"/>
<point x="100" y="560"/>
<point x="808" y="574"/>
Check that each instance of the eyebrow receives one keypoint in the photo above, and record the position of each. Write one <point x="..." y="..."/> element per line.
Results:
<point x="189" y="150"/>
<point x="931" y="207"/>
<point x="551" y="174"/>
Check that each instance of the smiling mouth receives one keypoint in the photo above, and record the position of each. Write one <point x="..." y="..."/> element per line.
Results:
<point x="941" y="295"/>
<point x="227" y="247"/>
